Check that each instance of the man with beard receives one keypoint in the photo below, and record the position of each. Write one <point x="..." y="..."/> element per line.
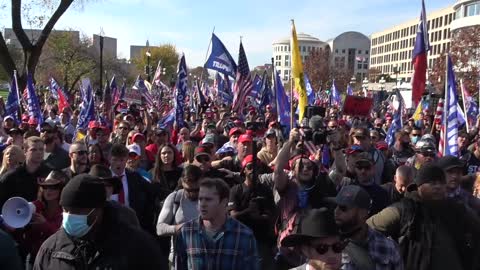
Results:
<point x="454" y="170"/>
<point x="302" y="188"/>
<point x="401" y="149"/>
<point x="78" y="154"/>
<point x="367" y="249"/>
<point x="433" y="232"/>
<point x="425" y="152"/>
<point x="252" y="204"/>
<point x="57" y="156"/>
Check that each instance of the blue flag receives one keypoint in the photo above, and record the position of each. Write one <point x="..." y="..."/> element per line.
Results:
<point x="32" y="101"/>
<point x="336" y="98"/>
<point x="220" y="59"/>
<point x="397" y="120"/>
<point x="86" y="92"/>
<point x="87" y="113"/>
<point x="349" y="90"/>
<point x="13" y="105"/>
<point x="181" y="87"/>
<point x="450" y="119"/>
<point x="310" y="92"/>
<point x="167" y="120"/>
<point x="122" y="92"/>
<point x="257" y="87"/>
<point x="267" y="93"/>
<point x="282" y="103"/>
<point x="222" y="90"/>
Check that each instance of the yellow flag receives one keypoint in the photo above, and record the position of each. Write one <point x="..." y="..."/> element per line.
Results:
<point x="297" y="73"/>
<point x="416" y="115"/>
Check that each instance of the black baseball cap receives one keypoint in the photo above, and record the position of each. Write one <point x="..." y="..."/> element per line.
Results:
<point x="353" y="196"/>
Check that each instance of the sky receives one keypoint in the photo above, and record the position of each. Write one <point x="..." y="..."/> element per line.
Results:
<point x="188" y="24"/>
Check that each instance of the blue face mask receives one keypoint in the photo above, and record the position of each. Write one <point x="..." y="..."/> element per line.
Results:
<point x="76" y="225"/>
<point x="415" y="139"/>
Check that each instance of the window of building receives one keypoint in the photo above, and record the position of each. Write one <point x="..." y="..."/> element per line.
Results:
<point x="287" y="57"/>
<point x="336" y="50"/>
<point x="304" y="49"/>
<point x="343" y="51"/>
<point x="472" y="9"/>
<point x="359" y="51"/>
<point x="366" y="52"/>
<point x="359" y="66"/>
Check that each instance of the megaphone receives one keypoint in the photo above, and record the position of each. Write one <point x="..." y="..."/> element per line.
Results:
<point x="17" y="212"/>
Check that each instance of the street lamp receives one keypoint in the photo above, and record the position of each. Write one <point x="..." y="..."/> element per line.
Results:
<point x="148" y="68"/>
<point x="382" y="83"/>
<point x="100" y="94"/>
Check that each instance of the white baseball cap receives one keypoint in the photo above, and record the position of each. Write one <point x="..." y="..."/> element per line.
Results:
<point x="134" y="148"/>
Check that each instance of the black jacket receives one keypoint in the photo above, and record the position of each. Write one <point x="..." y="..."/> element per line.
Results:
<point x="21" y="183"/>
<point x="117" y="246"/>
<point x="58" y="159"/>
<point x="140" y="199"/>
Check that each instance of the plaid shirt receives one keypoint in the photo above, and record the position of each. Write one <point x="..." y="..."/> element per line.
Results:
<point x="383" y="251"/>
<point x="234" y="247"/>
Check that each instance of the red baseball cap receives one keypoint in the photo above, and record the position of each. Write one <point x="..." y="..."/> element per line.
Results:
<point x="137" y="136"/>
<point x="201" y="150"/>
<point x="381" y="145"/>
<point x="246" y="160"/>
<point x="93" y="124"/>
<point x="245" y="138"/>
<point x="33" y="121"/>
<point x="235" y="130"/>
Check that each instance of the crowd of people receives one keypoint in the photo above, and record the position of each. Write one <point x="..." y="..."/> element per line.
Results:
<point x="229" y="191"/>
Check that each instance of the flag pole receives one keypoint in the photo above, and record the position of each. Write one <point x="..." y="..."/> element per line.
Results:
<point x="18" y="94"/>
<point x="206" y="53"/>
<point x="445" y="107"/>
<point x="465" y="108"/>
<point x="292" y="115"/>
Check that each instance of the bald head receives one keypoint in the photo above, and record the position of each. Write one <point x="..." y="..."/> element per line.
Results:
<point x="403" y="178"/>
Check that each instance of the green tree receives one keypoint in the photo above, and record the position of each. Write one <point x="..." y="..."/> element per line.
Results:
<point x="167" y="54"/>
<point x="31" y="49"/>
<point x="67" y="59"/>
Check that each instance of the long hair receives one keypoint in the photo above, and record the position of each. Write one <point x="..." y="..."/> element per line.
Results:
<point x="158" y="168"/>
<point x="20" y="157"/>
<point x="188" y="151"/>
<point x="103" y="160"/>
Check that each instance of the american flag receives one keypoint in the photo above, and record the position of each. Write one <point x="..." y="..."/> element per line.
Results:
<point x="243" y="84"/>
<point x="140" y="85"/>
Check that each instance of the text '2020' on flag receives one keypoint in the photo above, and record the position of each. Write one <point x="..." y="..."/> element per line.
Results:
<point x="243" y="83"/>
<point x="297" y="74"/>
<point x="220" y="59"/>
<point x="420" y="52"/>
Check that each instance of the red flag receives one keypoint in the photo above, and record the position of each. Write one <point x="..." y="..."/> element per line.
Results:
<point x="422" y="46"/>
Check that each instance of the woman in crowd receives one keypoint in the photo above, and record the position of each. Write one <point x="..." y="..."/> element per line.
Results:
<point x="181" y="205"/>
<point x="95" y="155"/>
<point x="188" y="153"/>
<point x="13" y="156"/>
<point x="48" y="216"/>
<point x="166" y="171"/>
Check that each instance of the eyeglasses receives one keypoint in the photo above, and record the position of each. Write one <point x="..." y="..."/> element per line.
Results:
<point x="203" y="158"/>
<point x="81" y="152"/>
<point x="337" y="247"/>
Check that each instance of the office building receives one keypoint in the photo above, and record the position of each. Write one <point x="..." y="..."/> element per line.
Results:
<point x="33" y="35"/>
<point x="391" y="49"/>
<point x="467" y="13"/>
<point x="282" y="53"/>
<point x="109" y="46"/>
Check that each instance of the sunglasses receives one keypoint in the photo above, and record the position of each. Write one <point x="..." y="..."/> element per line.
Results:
<point x="337" y="247"/>
<point x="203" y="158"/>
<point x="81" y="152"/>
<point x="123" y="128"/>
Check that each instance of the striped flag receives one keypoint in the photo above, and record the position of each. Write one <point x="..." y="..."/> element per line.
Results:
<point x="336" y="98"/>
<point x="397" y="120"/>
<point x="449" y="132"/>
<point x="62" y="100"/>
<point x="420" y="52"/>
<point x="140" y="86"/>
<point x="34" y="110"/>
<point x="243" y="83"/>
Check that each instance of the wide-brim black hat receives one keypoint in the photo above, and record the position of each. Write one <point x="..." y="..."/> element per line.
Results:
<point x="105" y="175"/>
<point x="317" y="223"/>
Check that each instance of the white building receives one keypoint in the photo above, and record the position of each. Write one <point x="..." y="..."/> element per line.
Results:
<point x="467" y="13"/>
<point x="282" y="52"/>
<point x="351" y="52"/>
